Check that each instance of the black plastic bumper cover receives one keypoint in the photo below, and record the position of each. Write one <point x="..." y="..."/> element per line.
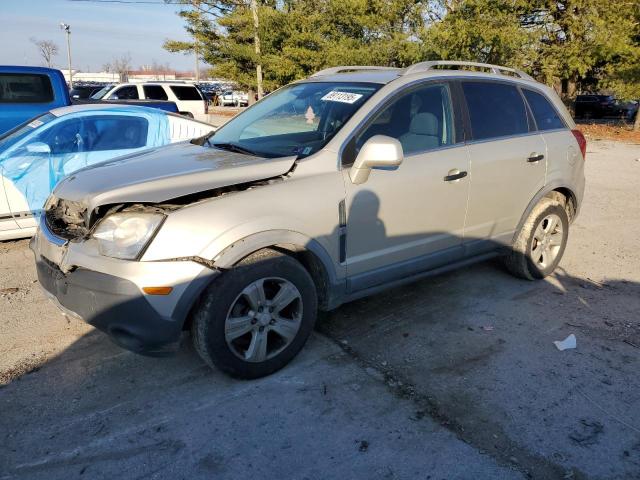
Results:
<point x="113" y="305"/>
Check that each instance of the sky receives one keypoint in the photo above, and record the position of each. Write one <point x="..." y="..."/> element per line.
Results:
<point x="100" y="32"/>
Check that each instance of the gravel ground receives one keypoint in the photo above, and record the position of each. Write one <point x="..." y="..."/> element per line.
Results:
<point x="454" y="377"/>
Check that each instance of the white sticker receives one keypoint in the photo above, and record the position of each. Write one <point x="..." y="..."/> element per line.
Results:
<point x="342" y="97"/>
<point x="35" y="124"/>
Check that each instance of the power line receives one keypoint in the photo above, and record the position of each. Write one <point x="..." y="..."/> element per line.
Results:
<point x="147" y="2"/>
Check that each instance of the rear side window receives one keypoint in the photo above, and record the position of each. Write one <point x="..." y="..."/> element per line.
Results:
<point x="155" y="92"/>
<point x="495" y="110"/>
<point x="186" y="93"/>
<point x="115" y="132"/>
<point x="25" y="88"/>
<point x="545" y="115"/>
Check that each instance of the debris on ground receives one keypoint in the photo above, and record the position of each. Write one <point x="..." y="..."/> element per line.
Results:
<point x="364" y="446"/>
<point x="567" y="343"/>
<point x="8" y="290"/>
<point x="487" y="328"/>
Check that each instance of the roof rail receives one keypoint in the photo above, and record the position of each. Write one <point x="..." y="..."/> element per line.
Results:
<point x="497" y="69"/>
<point x="352" y="68"/>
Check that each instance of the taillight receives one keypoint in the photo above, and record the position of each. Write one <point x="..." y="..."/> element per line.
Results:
<point x="582" y="142"/>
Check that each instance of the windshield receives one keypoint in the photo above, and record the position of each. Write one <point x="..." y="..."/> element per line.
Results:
<point x="297" y="120"/>
<point x="101" y="93"/>
<point x="14" y="136"/>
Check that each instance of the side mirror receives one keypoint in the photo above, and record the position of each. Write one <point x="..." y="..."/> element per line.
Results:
<point x="380" y="152"/>
<point x="38" y="147"/>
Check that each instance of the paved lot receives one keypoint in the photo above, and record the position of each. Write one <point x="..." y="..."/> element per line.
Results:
<point x="455" y="377"/>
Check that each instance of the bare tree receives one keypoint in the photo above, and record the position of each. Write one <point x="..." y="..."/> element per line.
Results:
<point x="122" y="66"/>
<point x="47" y="50"/>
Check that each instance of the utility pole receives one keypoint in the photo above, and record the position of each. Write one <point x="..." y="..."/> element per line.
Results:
<point x="256" y="41"/>
<point x="67" y="30"/>
<point x="195" y="52"/>
<point x="196" y="8"/>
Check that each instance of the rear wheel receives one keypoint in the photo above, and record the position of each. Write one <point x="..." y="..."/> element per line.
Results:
<point x="541" y="241"/>
<point x="254" y="319"/>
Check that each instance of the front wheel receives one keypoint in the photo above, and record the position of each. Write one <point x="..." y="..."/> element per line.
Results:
<point x="541" y="242"/>
<point x="255" y="318"/>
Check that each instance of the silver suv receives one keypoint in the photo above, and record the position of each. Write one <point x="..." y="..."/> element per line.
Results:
<point x="330" y="189"/>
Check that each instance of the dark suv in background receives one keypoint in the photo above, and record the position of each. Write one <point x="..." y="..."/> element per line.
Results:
<point x="601" y="106"/>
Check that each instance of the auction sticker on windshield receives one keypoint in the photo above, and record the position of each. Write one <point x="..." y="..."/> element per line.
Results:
<point x="342" y="97"/>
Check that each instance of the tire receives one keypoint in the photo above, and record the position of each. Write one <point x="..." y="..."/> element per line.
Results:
<point x="526" y="259"/>
<point x="232" y="305"/>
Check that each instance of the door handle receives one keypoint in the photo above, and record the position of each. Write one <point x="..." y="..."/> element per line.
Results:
<point x="454" y="175"/>
<point x="535" y="157"/>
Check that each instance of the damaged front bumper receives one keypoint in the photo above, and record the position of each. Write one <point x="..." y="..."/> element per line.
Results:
<point x="107" y="293"/>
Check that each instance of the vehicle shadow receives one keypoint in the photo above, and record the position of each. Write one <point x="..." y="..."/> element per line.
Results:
<point x="471" y="349"/>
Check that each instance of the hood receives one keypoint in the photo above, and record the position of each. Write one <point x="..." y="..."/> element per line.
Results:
<point x="165" y="173"/>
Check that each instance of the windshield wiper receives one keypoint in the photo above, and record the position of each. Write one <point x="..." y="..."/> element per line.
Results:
<point x="233" y="147"/>
<point x="202" y="140"/>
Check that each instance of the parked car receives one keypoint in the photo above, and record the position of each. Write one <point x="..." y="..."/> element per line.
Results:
<point x="81" y="92"/>
<point x="26" y="92"/>
<point x="233" y="98"/>
<point x="35" y="156"/>
<point x="190" y="101"/>
<point x="330" y="189"/>
<point x="602" y="106"/>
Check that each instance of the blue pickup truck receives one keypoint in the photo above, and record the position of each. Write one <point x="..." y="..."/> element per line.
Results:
<point x="26" y="92"/>
<point x="29" y="91"/>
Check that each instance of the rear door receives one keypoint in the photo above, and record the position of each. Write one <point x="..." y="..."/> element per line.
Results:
<point x="508" y="162"/>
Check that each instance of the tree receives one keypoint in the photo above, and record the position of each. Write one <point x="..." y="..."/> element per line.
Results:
<point x="47" y="50"/>
<point x="120" y="65"/>
<point x="486" y="31"/>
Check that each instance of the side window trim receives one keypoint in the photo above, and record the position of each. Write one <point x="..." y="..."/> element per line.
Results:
<point x="347" y="151"/>
<point x="531" y="121"/>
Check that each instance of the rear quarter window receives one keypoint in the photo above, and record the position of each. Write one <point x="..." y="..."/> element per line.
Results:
<point x="544" y="113"/>
<point x="186" y="93"/>
<point x="115" y="132"/>
<point x="25" y="88"/>
<point x="495" y="110"/>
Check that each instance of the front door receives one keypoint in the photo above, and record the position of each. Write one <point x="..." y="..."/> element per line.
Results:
<point x="410" y="219"/>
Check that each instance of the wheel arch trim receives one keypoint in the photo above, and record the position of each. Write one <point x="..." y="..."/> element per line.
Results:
<point x="543" y="192"/>
<point x="289" y="239"/>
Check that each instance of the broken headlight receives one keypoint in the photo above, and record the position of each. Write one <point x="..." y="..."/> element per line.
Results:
<point x="125" y="235"/>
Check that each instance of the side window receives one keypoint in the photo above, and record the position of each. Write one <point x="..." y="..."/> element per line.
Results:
<point x="155" y="92"/>
<point x="495" y="110"/>
<point x="25" y="88"/>
<point x="130" y="92"/>
<point x="115" y="132"/>
<point x="186" y="93"/>
<point x="64" y="137"/>
<point x="420" y="119"/>
<point x="545" y="115"/>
